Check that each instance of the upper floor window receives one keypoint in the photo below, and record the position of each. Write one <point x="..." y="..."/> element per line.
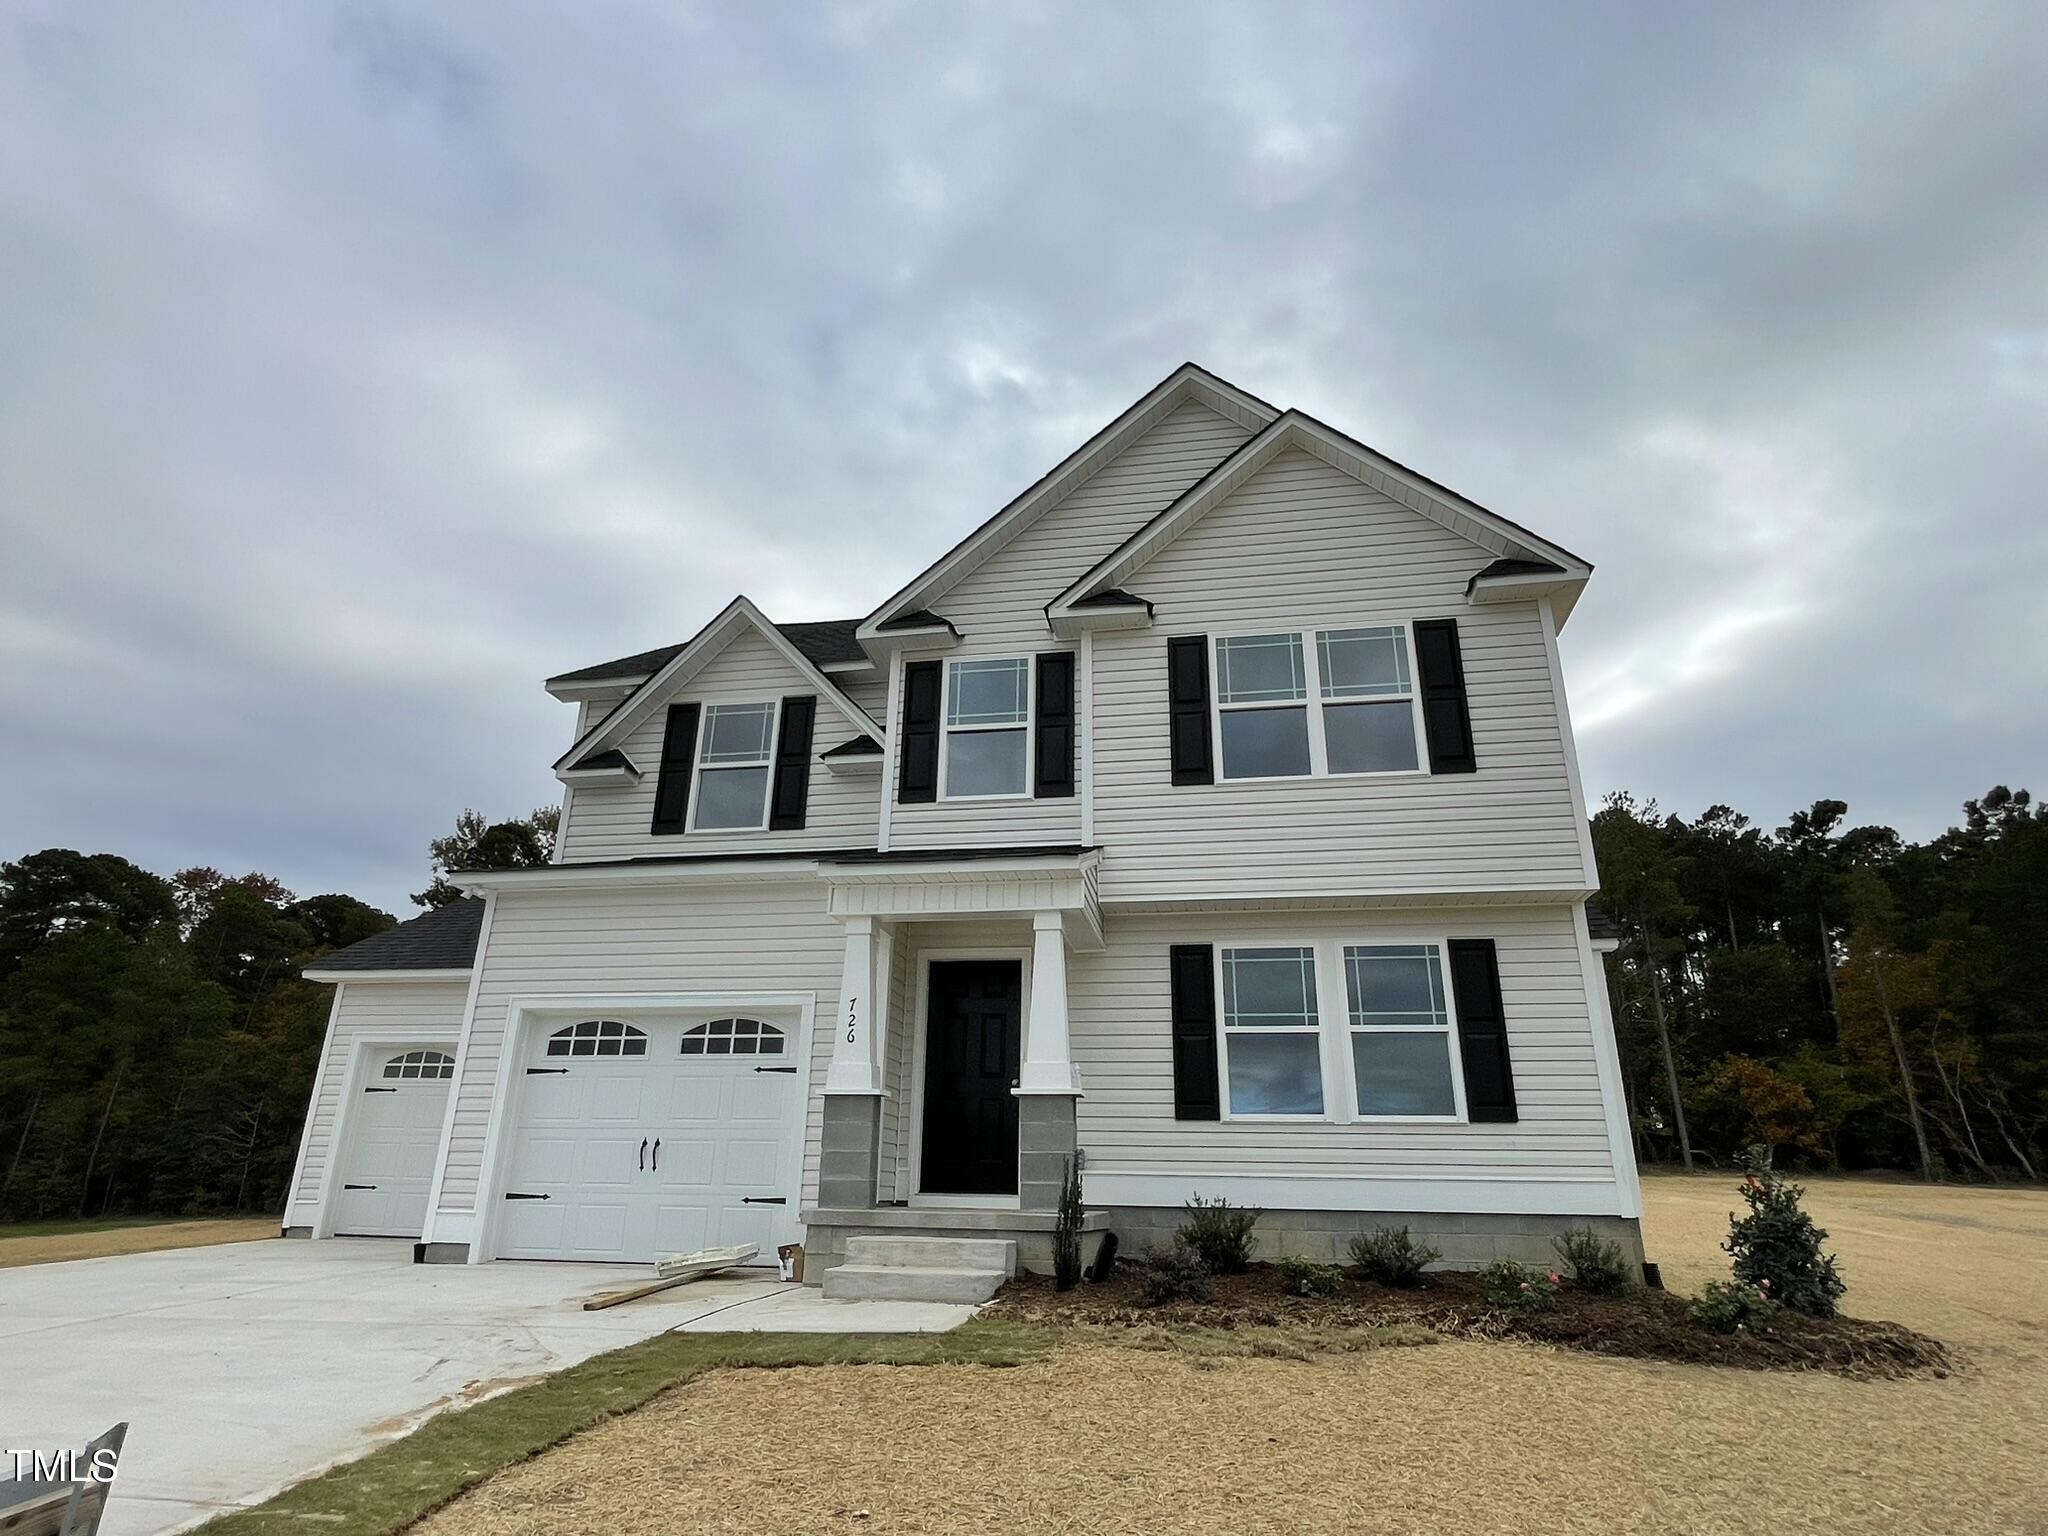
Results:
<point x="1302" y="702"/>
<point x="734" y="751"/>
<point x="988" y="719"/>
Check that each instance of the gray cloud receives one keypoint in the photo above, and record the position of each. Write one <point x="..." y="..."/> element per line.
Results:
<point x="361" y="365"/>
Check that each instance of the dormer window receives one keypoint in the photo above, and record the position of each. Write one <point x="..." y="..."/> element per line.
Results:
<point x="734" y="751"/>
<point x="988" y="729"/>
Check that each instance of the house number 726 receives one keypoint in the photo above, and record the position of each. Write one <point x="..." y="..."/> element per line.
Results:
<point x="852" y="1014"/>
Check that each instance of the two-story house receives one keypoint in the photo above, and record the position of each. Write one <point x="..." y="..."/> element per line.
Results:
<point x="1210" y="813"/>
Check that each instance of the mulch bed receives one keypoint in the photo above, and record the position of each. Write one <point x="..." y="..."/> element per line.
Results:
<point x="1642" y="1324"/>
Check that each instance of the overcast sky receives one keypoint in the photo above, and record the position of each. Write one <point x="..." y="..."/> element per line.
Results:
<point x="362" y="365"/>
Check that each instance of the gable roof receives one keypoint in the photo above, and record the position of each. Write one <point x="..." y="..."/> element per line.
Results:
<point x="442" y="939"/>
<point x="1185" y="383"/>
<point x="1513" y="545"/>
<point x="827" y="642"/>
<point x="688" y="660"/>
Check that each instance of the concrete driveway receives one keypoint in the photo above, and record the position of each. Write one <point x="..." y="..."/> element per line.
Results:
<point x="246" y="1368"/>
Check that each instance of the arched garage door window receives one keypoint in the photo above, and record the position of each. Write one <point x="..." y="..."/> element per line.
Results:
<point x="421" y="1064"/>
<point x="733" y="1037"/>
<point x="598" y="1037"/>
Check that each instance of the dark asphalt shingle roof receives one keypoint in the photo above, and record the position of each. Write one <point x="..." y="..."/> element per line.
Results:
<point x="441" y="940"/>
<point x="822" y="642"/>
<point x="612" y="759"/>
<point x="1111" y="597"/>
<point x="862" y="745"/>
<point x="1513" y="568"/>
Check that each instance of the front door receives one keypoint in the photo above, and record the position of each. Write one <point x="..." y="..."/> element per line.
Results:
<point x="973" y="1044"/>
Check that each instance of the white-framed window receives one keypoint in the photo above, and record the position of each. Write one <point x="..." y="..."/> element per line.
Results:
<point x="598" y="1037"/>
<point x="987" y="749"/>
<point x="1387" y="1041"/>
<point x="1272" y="1032"/>
<point x="733" y="1037"/>
<point x="1399" y="1022"/>
<point x="735" y="748"/>
<point x="1316" y="703"/>
<point x="419" y="1064"/>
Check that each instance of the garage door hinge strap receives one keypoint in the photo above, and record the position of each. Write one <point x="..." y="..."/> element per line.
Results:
<point x="775" y="1069"/>
<point x="547" y="1071"/>
<point x="763" y="1200"/>
<point x="358" y="1186"/>
<point x="380" y="1090"/>
<point x="515" y="1195"/>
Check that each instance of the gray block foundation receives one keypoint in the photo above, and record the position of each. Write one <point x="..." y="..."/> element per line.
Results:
<point x="440" y="1253"/>
<point x="850" y="1150"/>
<point x="1469" y="1240"/>
<point x="1046" y="1142"/>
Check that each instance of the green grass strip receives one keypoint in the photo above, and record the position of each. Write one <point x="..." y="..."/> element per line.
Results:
<point x="402" y="1482"/>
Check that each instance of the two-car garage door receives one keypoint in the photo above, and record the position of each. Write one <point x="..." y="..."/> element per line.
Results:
<point x="631" y="1138"/>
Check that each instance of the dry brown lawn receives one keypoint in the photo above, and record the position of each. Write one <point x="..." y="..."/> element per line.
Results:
<point x="1453" y="1438"/>
<point x="51" y="1244"/>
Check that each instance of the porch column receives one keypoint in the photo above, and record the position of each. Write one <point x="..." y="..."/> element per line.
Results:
<point x="851" y="1122"/>
<point x="1048" y="1060"/>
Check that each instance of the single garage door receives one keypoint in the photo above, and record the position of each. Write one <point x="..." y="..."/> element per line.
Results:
<point x="638" y="1138"/>
<point x="394" y="1131"/>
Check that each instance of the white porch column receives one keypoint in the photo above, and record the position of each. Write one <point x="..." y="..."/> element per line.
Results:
<point x="855" y="1059"/>
<point x="1048" y="1059"/>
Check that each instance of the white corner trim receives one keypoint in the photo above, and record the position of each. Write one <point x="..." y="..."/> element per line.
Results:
<point x="1086" y="711"/>
<point x="1569" y="740"/>
<point x="293" y="1195"/>
<point x="434" y="1231"/>
<point x="449" y="973"/>
<point x="1621" y="1147"/>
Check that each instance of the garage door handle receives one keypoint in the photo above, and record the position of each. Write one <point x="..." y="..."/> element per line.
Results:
<point x="775" y="1069"/>
<point x="358" y="1186"/>
<point x="657" y="1155"/>
<point x="763" y="1200"/>
<point x="643" y="1154"/>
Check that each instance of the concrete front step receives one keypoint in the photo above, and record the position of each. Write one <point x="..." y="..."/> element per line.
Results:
<point x="978" y="1253"/>
<point x="911" y="1282"/>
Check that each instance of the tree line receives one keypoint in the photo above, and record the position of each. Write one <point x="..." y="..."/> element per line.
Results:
<point x="1844" y="996"/>
<point x="1848" y="998"/>
<point x="157" y="1042"/>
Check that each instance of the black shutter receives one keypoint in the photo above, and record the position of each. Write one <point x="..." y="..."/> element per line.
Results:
<point x="678" y="756"/>
<point x="1053" y="760"/>
<point x="1442" y="673"/>
<point x="1187" y="697"/>
<point x="790" y="786"/>
<point x="918" y="778"/>
<point x="1192" y="973"/>
<point x="1482" y="1031"/>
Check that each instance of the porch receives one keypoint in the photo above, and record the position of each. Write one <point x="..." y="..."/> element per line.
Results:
<point x="949" y="1109"/>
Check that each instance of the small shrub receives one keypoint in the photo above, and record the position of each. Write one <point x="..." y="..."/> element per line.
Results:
<point x="1391" y="1257"/>
<point x="1594" y="1263"/>
<point x="1728" y="1306"/>
<point x="1507" y="1287"/>
<point x="1776" y="1247"/>
<point x="1066" y="1232"/>
<point x="1173" y="1272"/>
<point x="1219" y="1234"/>
<point x="1305" y="1277"/>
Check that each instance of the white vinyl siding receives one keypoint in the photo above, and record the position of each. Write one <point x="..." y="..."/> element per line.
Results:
<point x="611" y="821"/>
<point x="1303" y="546"/>
<point x="1123" y="1049"/>
<point x="369" y="1010"/>
<point x="623" y="939"/>
<point x="999" y="606"/>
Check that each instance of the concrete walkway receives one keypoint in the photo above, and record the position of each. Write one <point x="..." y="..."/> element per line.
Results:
<point x="246" y="1368"/>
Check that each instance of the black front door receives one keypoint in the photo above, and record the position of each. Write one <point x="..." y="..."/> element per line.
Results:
<point x="973" y="1042"/>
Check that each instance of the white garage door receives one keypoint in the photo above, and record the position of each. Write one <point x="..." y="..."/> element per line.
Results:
<point x="634" y="1139"/>
<point x="393" y="1131"/>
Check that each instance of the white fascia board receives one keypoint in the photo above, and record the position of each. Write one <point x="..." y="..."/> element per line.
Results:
<point x="1561" y="587"/>
<point x="626" y="773"/>
<point x="605" y="688"/>
<point x="687" y="662"/>
<point x="551" y="877"/>
<point x="450" y="973"/>
<point x="1487" y="530"/>
<point x="1187" y="382"/>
